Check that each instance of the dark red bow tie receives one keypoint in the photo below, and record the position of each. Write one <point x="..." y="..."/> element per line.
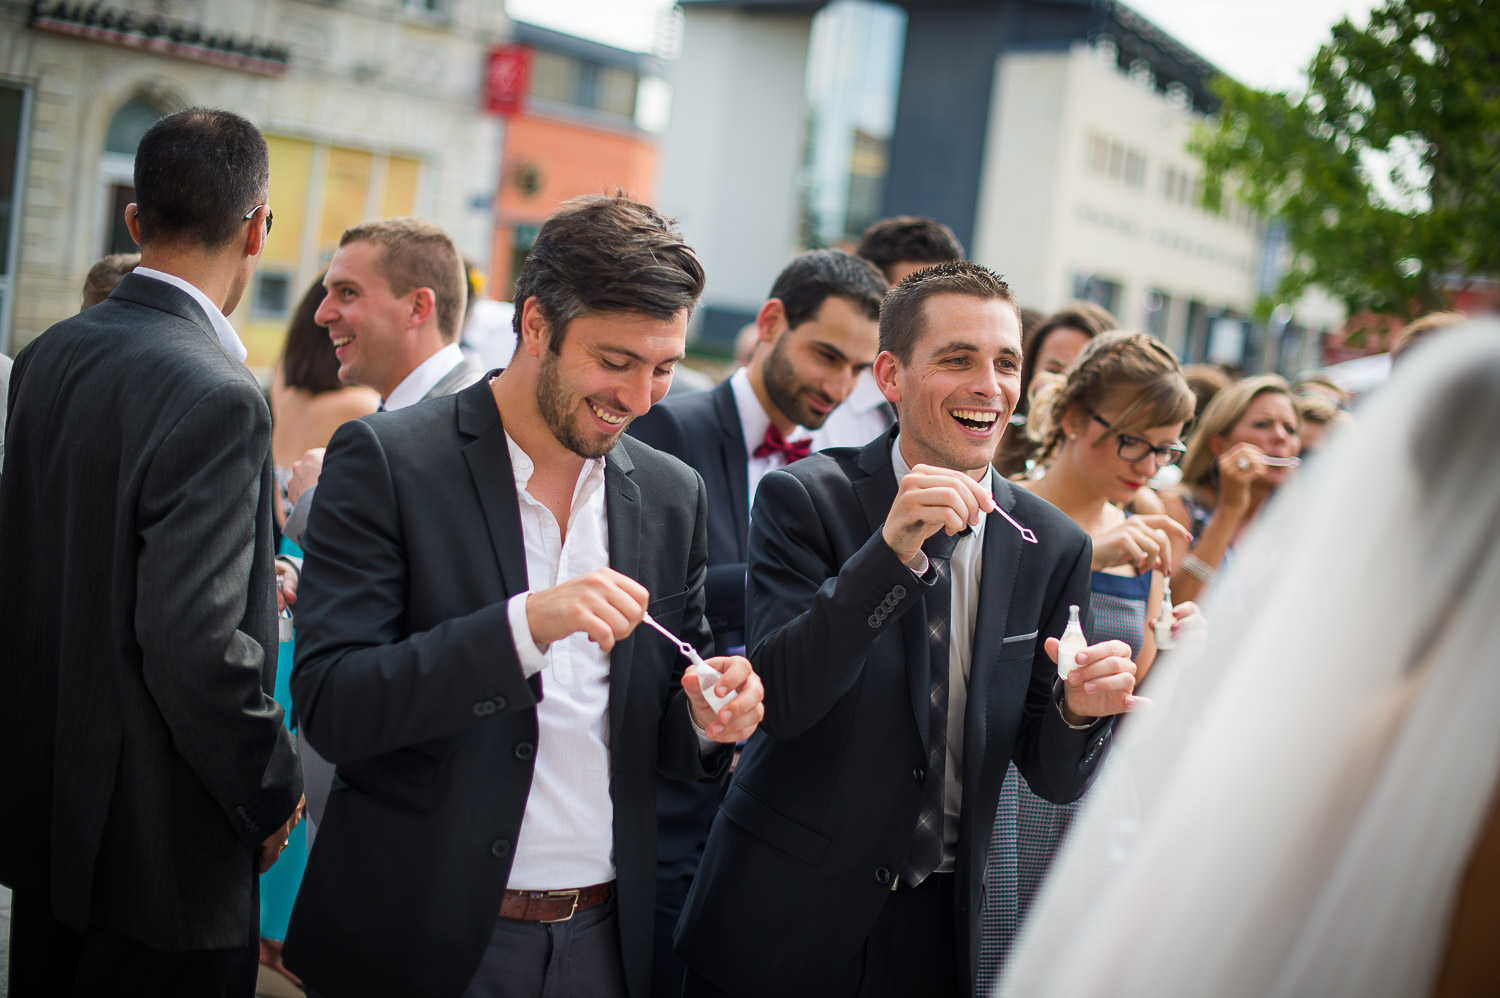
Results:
<point x="775" y="443"/>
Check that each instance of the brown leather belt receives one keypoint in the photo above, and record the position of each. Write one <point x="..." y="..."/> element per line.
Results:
<point x="553" y="906"/>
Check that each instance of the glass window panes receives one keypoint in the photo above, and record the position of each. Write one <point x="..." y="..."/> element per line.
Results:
<point x="128" y="125"/>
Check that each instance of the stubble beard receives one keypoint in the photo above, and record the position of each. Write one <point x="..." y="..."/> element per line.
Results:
<point x="561" y="419"/>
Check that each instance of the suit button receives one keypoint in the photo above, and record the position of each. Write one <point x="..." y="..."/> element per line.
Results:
<point x="899" y="592"/>
<point x="882" y="875"/>
<point x="525" y="751"/>
<point x="499" y="703"/>
<point x="483" y="708"/>
<point x="919" y="774"/>
<point x="499" y="848"/>
<point x="874" y="620"/>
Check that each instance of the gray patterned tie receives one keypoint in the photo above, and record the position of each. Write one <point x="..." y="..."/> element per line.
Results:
<point x="926" y="850"/>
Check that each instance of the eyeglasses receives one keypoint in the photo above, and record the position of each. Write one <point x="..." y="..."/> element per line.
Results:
<point x="269" y="215"/>
<point x="1133" y="449"/>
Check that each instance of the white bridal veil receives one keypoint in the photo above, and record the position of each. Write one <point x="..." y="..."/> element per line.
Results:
<point x="1295" y="815"/>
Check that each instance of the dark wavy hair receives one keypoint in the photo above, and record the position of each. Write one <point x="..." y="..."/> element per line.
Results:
<point x="607" y="253"/>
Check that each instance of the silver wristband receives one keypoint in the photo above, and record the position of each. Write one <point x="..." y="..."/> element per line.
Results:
<point x="1198" y="569"/>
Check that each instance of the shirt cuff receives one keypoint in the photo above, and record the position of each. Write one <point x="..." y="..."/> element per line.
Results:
<point x="918" y="563"/>
<point x="705" y="743"/>
<point x="532" y="658"/>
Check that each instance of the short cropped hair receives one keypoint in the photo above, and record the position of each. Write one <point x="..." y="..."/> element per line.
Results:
<point x="414" y="253"/>
<point x="902" y="317"/>
<point x="197" y="173"/>
<point x="607" y="253"/>
<point x="814" y="277"/>
<point x="908" y="239"/>
<point x="105" y="274"/>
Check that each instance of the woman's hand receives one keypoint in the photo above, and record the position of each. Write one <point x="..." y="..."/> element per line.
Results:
<point x="1240" y="468"/>
<point x="1142" y="542"/>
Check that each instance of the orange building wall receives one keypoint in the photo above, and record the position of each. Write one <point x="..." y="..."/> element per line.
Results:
<point x="569" y="160"/>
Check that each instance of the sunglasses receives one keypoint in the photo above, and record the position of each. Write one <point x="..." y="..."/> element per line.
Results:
<point x="1133" y="449"/>
<point x="269" y="215"/>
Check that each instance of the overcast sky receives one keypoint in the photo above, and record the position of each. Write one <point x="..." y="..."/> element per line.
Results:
<point x="1266" y="43"/>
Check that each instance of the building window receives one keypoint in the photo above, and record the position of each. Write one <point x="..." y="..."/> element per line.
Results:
<point x="1135" y="169"/>
<point x="432" y="8"/>
<point x="563" y="79"/>
<point x="117" y="170"/>
<point x="272" y="294"/>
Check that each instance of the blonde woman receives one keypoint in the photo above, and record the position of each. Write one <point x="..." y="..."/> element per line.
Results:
<point x="1244" y="447"/>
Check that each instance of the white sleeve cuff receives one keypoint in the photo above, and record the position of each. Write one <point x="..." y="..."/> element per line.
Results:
<point x="918" y="563"/>
<point x="532" y="658"/>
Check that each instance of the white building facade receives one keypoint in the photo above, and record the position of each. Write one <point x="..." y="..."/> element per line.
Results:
<point x="371" y="108"/>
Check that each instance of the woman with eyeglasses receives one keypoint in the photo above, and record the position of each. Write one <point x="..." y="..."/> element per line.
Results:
<point x="1244" y="447"/>
<point x="1104" y="427"/>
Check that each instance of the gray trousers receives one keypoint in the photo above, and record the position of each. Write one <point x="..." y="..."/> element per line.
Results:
<point x="579" y="957"/>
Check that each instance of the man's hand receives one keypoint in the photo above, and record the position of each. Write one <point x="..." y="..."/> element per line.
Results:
<point x="604" y="605"/>
<point x="1101" y="683"/>
<point x="1142" y="542"/>
<point x="739" y="717"/>
<point x="286" y="585"/>
<point x="270" y="849"/>
<point x="932" y="499"/>
<point x="305" y="472"/>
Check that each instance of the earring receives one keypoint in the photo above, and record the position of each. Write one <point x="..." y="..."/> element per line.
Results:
<point x="1072" y="436"/>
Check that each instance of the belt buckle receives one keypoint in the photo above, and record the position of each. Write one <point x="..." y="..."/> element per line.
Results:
<point x="558" y="894"/>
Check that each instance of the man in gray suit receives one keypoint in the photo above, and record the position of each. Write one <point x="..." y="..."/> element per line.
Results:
<point x="394" y="310"/>
<point x="148" y="775"/>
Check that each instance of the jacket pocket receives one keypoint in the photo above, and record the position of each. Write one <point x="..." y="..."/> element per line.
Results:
<point x="659" y="608"/>
<point x="771" y="826"/>
<point x="406" y="778"/>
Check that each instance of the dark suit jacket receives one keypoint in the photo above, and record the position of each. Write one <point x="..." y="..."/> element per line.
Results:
<point x="704" y="430"/>
<point x="145" y="758"/>
<point x="407" y="679"/>
<point x="826" y="796"/>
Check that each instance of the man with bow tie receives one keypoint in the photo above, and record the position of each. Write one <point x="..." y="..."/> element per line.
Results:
<point x="818" y="333"/>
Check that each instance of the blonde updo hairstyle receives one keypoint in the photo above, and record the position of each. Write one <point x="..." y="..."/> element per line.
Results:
<point x="1131" y="375"/>
<point x="1201" y="466"/>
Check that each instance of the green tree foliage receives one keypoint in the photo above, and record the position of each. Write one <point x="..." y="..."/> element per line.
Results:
<point x="1386" y="171"/>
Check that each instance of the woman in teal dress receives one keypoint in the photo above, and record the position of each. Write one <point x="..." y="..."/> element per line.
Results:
<point x="308" y="402"/>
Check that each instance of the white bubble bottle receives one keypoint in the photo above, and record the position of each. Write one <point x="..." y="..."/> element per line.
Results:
<point x="1070" y="644"/>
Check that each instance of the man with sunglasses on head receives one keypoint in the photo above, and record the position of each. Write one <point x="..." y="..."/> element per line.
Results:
<point x="148" y="774"/>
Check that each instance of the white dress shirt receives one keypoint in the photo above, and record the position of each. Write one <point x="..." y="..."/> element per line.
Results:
<point x="862" y="417"/>
<point x="567" y="833"/>
<point x="754" y="422"/>
<point x="964" y="573"/>
<point x="415" y="386"/>
<point x="228" y="338"/>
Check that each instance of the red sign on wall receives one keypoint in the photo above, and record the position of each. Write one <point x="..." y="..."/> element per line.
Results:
<point x="506" y="77"/>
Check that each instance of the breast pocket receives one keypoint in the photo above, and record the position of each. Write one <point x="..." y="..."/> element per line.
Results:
<point x="668" y="608"/>
<point x="1017" y="647"/>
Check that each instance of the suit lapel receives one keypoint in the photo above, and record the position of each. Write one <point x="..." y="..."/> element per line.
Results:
<point x="998" y="579"/>
<point x="488" y="457"/>
<point x="876" y="492"/>
<point x="736" y="462"/>
<point x="622" y="511"/>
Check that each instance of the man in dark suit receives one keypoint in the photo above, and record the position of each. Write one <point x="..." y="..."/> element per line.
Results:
<point x="394" y="310"/>
<point x="469" y="658"/>
<point x="147" y="772"/>
<point x="818" y="334"/>
<point x="898" y="617"/>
